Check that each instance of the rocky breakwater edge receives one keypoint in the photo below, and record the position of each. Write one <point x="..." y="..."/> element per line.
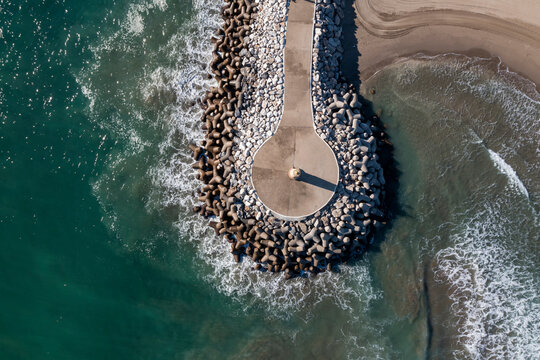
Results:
<point x="244" y="110"/>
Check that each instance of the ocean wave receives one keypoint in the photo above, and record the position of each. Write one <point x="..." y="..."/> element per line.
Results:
<point x="350" y="288"/>
<point x="140" y="103"/>
<point x="507" y="170"/>
<point x="492" y="290"/>
<point x="134" y="22"/>
<point x="273" y="297"/>
<point x="499" y="109"/>
<point x="467" y="124"/>
<point x="510" y="92"/>
<point x="173" y="91"/>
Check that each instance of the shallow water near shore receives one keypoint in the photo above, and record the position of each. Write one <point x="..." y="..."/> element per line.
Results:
<point x="466" y="135"/>
<point x="103" y="257"/>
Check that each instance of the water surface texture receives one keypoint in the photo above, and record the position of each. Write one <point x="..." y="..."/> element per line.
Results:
<point x="102" y="258"/>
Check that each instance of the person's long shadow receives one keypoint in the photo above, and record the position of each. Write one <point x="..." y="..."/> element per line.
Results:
<point x="317" y="181"/>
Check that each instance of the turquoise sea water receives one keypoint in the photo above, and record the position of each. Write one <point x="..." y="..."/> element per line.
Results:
<point x="102" y="258"/>
<point x="466" y="133"/>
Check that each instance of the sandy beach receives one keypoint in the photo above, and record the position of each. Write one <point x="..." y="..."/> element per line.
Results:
<point x="386" y="30"/>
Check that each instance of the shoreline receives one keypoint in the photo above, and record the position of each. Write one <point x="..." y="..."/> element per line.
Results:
<point x="495" y="64"/>
<point x="481" y="32"/>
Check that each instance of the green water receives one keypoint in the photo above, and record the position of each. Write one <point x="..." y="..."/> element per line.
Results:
<point x="464" y="246"/>
<point x="102" y="258"/>
<point x="73" y="286"/>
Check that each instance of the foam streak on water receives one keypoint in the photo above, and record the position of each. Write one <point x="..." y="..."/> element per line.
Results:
<point x="144" y="110"/>
<point x="171" y="81"/>
<point x="493" y="292"/>
<point x="507" y="170"/>
<point x="467" y="132"/>
<point x="142" y="85"/>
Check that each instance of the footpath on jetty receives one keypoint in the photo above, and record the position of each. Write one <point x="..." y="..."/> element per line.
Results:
<point x="295" y="143"/>
<point x="281" y="103"/>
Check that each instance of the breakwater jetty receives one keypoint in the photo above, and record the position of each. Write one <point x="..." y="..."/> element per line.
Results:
<point x="280" y="104"/>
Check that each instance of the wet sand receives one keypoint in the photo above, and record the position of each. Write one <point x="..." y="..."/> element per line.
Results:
<point x="386" y="30"/>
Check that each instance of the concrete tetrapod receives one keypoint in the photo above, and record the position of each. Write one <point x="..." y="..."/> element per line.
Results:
<point x="295" y="143"/>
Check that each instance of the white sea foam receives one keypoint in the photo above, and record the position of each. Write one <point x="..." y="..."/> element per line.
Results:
<point x="2" y="99"/>
<point x="493" y="292"/>
<point x="174" y="182"/>
<point x="169" y="84"/>
<point x="507" y="170"/>
<point x="134" y="22"/>
<point x="350" y="288"/>
<point x="509" y="123"/>
<point x="90" y="96"/>
<point x="159" y="89"/>
<point x="520" y="109"/>
<point x="490" y="265"/>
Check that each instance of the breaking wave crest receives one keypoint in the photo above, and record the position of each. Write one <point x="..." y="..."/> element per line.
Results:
<point x="507" y="170"/>
<point x="145" y="106"/>
<point x="148" y="69"/>
<point x="501" y="109"/>
<point x="493" y="291"/>
<point x="152" y="126"/>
